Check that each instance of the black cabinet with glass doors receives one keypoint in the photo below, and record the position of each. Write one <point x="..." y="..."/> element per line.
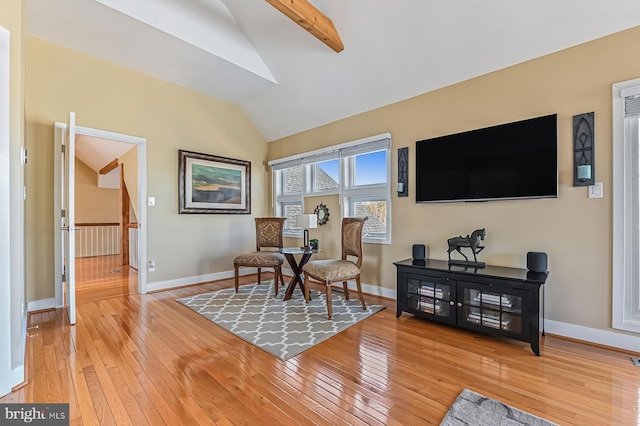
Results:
<point x="495" y="300"/>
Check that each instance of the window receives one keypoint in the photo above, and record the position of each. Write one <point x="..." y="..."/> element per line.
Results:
<point x="324" y="176"/>
<point x="369" y="168"/>
<point x="367" y="192"/>
<point x="376" y="228"/>
<point x="288" y="197"/>
<point x="626" y="206"/>
<point x="358" y="171"/>
<point x="292" y="180"/>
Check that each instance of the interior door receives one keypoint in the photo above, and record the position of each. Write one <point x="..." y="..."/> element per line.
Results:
<point x="68" y="221"/>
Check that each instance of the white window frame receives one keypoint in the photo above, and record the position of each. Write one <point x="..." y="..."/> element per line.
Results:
<point x="346" y="191"/>
<point x="375" y="192"/>
<point x="626" y="218"/>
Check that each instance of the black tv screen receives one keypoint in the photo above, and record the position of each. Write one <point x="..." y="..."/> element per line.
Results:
<point x="508" y="161"/>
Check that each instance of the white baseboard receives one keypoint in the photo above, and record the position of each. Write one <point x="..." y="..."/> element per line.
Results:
<point x="374" y="290"/>
<point x="593" y="335"/>
<point x="42" y="304"/>
<point x="198" y="279"/>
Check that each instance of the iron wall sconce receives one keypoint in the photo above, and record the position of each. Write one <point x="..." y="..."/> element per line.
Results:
<point x="402" y="187"/>
<point x="583" y="149"/>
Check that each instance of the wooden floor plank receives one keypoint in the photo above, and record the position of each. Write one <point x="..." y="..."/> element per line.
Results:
<point x="146" y="359"/>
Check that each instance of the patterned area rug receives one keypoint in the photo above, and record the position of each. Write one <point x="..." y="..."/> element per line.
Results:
<point x="284" y="329"/>
<point x="471" y="408"/>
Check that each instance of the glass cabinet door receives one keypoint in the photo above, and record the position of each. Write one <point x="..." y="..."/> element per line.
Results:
<point x="482" y="306"/>
<point x="432" y="296"/>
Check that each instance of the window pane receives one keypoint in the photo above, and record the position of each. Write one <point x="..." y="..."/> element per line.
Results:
<point x="292" y="179"/>
<point x="326" y="175"/>
<point x="376" y="211"/>
<point x="291" y="211"/>
<point x="370" y="168"/>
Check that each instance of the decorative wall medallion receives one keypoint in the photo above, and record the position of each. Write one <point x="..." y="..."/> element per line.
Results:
<point x="323" y="214"/>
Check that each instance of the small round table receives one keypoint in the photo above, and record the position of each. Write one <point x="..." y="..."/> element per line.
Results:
<point x="289" y="253"/>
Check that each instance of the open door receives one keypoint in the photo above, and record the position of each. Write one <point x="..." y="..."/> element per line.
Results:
<point x="67" y="218"/>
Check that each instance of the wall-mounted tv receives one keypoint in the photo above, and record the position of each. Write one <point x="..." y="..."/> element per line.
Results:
<point x="509" y="161"/>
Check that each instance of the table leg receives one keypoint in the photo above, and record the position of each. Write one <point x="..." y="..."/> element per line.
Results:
<point x="297" y="273"/>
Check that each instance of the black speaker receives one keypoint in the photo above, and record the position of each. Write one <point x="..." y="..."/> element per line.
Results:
<point x="418" y="251"/>
<point x="537" y="261"/>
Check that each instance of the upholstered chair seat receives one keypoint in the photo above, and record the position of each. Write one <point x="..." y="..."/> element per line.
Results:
<point x="259" y="258"/>
<point x="268" y="235"/>
<point x="340" y="270"/>
<point x="331" y="270"/>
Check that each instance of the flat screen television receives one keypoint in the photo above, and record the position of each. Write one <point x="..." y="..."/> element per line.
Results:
<point x="509" y="161"/>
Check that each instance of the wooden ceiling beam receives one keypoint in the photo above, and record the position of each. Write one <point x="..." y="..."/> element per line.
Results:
<point x="111" y="166"/>
<point x="311" y="19"/>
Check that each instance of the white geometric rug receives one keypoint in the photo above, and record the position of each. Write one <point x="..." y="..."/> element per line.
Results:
<point x="471" y="408"/>
<point x="284" y="329"/>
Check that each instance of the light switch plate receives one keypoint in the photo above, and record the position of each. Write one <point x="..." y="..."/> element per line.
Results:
<point x="595" y="190"/>
<point x="151" y="201"/>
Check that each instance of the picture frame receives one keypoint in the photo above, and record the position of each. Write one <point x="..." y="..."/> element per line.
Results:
<point x="210" y="184"/>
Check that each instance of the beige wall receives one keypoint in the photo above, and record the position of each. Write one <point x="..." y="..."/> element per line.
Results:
<point x="93" y="204"/>
<point x="130" y="163"/>
<point x="112" y="98"/>
<point x="574" y="230"/>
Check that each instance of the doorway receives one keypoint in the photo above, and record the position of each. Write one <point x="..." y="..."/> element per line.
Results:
<point x="105" y="217"/>
<point x="101" y="139"/>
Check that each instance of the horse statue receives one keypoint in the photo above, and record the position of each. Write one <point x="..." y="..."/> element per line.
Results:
<point x="472" y="241"/>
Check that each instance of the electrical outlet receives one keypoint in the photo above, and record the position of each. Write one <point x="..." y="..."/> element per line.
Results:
<point x="152" y="265"/>
<point x="151" y="201"/>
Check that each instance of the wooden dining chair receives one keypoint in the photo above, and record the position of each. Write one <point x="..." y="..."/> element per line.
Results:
<point x="330" y="271"/>
<point x="268" y="237"/>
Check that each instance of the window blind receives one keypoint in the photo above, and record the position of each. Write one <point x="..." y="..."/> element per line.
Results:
<point x="631" y="96"/>
<point x="372" y="146"/>
<point x="286" y="164"/>
<point x="325" y="156"/>
<point x="632" y="106"/>
<point x="348" y="149"/>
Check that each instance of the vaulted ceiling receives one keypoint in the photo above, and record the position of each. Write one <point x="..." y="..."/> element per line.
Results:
<point x="286" y="80"/>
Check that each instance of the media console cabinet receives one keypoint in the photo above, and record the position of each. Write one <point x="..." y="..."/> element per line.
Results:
<point x="496" y="300"/>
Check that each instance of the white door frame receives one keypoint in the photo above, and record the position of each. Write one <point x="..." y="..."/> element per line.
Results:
<point x="5" y="224"/>
<point x="60" y="128"/>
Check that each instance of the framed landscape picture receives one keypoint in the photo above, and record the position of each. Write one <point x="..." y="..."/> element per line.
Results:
<point x="212" y="184"/>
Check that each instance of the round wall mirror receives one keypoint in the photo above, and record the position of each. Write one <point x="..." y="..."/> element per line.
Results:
<point x="323" y="214"/>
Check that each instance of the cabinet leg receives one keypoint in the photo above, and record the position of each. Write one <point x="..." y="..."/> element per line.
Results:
<point x="398" y="313"/>
<point x="535" y="347"/>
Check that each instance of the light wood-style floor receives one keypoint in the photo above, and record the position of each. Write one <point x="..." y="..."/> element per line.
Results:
<point x="99" y="277"/>
<point x="146" y="359"/>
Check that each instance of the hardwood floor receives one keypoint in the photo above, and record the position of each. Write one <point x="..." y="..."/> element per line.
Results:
<point x="99" y="277"/>
<point x="146" y="359"/>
